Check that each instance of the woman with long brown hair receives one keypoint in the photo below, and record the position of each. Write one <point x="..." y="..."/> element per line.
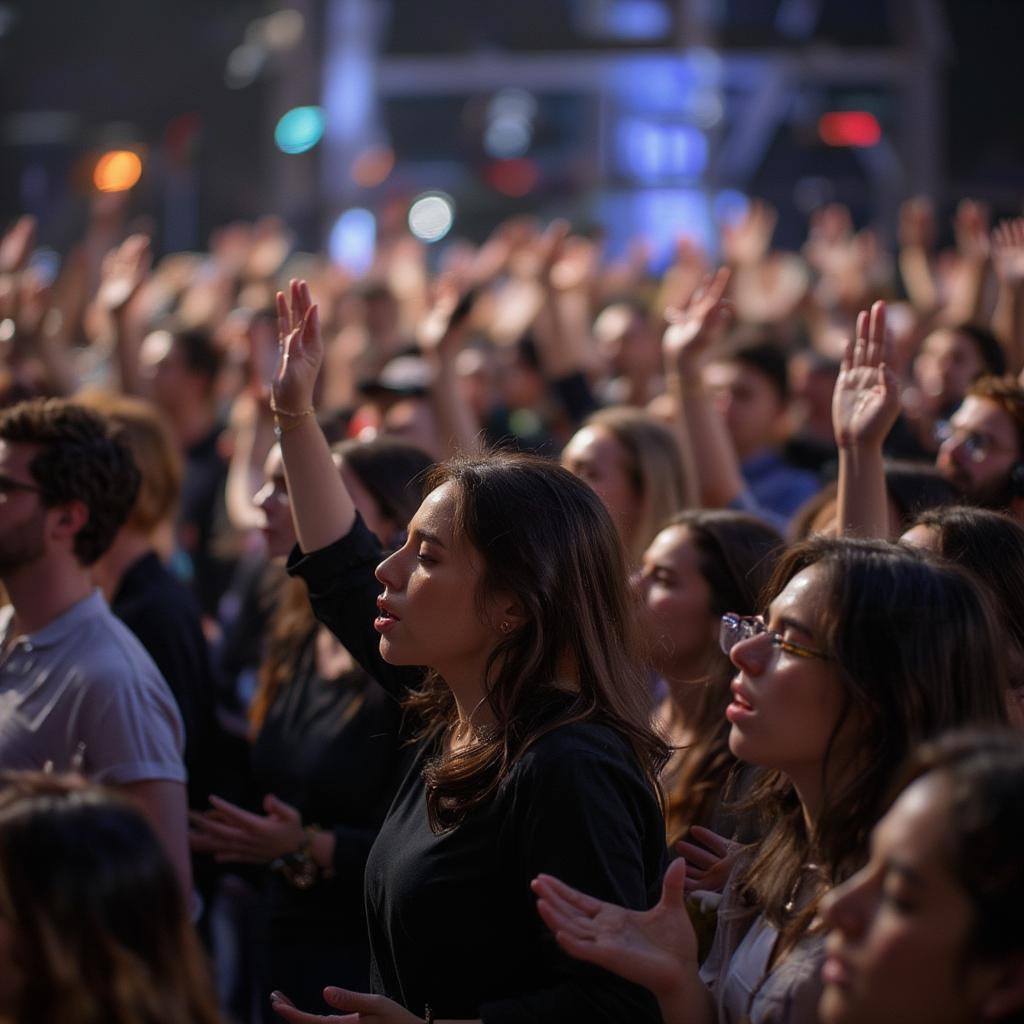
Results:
<point x="534" y="746"/>
<point x="866" y="649"/>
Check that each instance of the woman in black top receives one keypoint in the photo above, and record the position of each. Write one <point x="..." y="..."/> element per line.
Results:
<point x="533" y="745"/>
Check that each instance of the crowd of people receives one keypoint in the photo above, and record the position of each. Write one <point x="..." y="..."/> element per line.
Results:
<point x="514" y="634"/>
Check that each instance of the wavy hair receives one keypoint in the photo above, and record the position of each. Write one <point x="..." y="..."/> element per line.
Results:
<point x="916" y="649"/>
<point x="543" y="535"/>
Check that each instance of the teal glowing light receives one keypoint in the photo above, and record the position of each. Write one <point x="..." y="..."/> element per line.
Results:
<point x="299" y="130"/>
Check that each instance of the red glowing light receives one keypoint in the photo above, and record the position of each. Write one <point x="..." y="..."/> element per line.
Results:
<point x="512" y="177"/>
<point x="855" y="128"/>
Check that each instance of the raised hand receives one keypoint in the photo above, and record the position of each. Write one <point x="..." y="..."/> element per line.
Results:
<point x="1008" y="252"/>
<point x="970" y="225"/>
<point x="301" y="349"/>
<point x="440" y="332"/>
<point x="917" y="224"/>
<point x="709" y="860"/>
<point x="361" y="1007"/>
<point x="692" y="328"/>
<point x="653" y="948"/>
<point x="866" y="401"/>
<point x="123" y="273"/>
<point x="746" y="242"/>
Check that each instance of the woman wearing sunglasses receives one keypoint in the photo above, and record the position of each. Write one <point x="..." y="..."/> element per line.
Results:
<point x="866" y="650"/>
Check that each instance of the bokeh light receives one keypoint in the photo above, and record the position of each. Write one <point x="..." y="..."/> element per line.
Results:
<point x="373" y="166"/>
<point x="352" y="240"/>
<point x="856" y="128"/>
<point x="299" y="130"/>
<point x="117" y="171"/>
<point x="431" y="216"/>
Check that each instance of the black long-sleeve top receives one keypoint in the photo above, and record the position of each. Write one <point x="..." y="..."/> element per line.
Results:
<point x="453" y="923"/>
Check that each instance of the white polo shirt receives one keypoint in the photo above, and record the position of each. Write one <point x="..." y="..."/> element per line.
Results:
<point x="82" y="694"/>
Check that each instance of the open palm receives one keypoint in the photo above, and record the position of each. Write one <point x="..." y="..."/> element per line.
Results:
<point x="692" y="328"/>
<point x="866" y="402"/>
<point x="301" y="348"/>
<point x="652" y="948"/>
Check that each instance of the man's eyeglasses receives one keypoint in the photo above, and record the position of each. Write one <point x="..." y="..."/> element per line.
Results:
<point x="976" y="445"/>
<point x="735" y="628"/>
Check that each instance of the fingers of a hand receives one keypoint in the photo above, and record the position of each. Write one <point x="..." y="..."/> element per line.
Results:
<point x="673" y="885"/>
<point x="714" y="842"/>
<point x="860" y="343"/>
<point x="876" y="334"/>
<point x="276" y="806"/>
<point x="697" y="857"/>
<point x="296" y="301"/>
<point x="234" y="813"/>
<point x="354" y="1002"/>
<point x="311" y="326"/>
<point x="588" y="904"/>
<point x="564" y="909"/>
<point x="289" y="1011"/>
<point x="283" y="318"/>
<point x="568" y="924"/>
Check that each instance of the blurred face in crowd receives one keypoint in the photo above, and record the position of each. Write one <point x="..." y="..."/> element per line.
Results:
<point x="899" y="930"/>
<point x="272" y="500"/>
<point x="787" y="703"/>
<point x="748" y="403"/>
<point x="22" y="519"/>
<point x="599" y="460"/>
<point x="626" y="343"/>
<point x="946" y="367"/>
<point x="980" y="452"/>
<point x="681" y="629"/>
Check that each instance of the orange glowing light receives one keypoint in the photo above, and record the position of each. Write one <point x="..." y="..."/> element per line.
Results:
<point x="856" y="128"/>
<point x="117" y="171"/>
<point x="372" y="166"/>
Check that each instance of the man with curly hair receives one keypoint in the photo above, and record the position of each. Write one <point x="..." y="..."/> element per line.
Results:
<point x="982" y="453"/>
<point x="77" y="690"/>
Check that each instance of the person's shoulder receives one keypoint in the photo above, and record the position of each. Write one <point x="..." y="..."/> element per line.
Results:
<point x="578" y="748"/>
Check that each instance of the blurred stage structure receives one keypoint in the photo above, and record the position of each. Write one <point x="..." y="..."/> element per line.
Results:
<point x="650" y="116"/>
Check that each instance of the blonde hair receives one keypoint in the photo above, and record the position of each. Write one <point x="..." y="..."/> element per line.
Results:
<point x="655" y="467"/>
<point x="146" y="433"/>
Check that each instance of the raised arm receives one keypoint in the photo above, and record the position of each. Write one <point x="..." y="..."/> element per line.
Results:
<point x="440" y="337"/>
<point x="321" y="506"/>
<point x="690" y="333"/>
<point x="1008" y="320"/>
<point x="865" y="405"/>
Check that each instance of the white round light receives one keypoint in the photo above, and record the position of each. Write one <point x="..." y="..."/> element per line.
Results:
<point x="431" y="216"/>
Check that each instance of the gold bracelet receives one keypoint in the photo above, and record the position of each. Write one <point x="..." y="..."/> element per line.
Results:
<point x="277" y="411"/>
<point x="289" y="425"/>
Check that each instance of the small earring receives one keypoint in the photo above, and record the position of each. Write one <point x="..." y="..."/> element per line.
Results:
<point x="506" y="627"/>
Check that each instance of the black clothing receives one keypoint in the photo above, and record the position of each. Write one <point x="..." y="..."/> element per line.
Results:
<point x="452" y="920"/>
<point x="202" y="521"/>
<point x="162" y="613"/>
<point x="331" y="748"/>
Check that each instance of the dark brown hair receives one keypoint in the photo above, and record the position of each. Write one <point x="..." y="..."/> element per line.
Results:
<point x="736" y="555"/>
<point x="100" y="930"/>
<point x="985" y="840"/>
<point x="544" y="536"/>
<point x="82" y="458"/>
<point x="991" y="546"/>
<point x="916" y="651"/>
